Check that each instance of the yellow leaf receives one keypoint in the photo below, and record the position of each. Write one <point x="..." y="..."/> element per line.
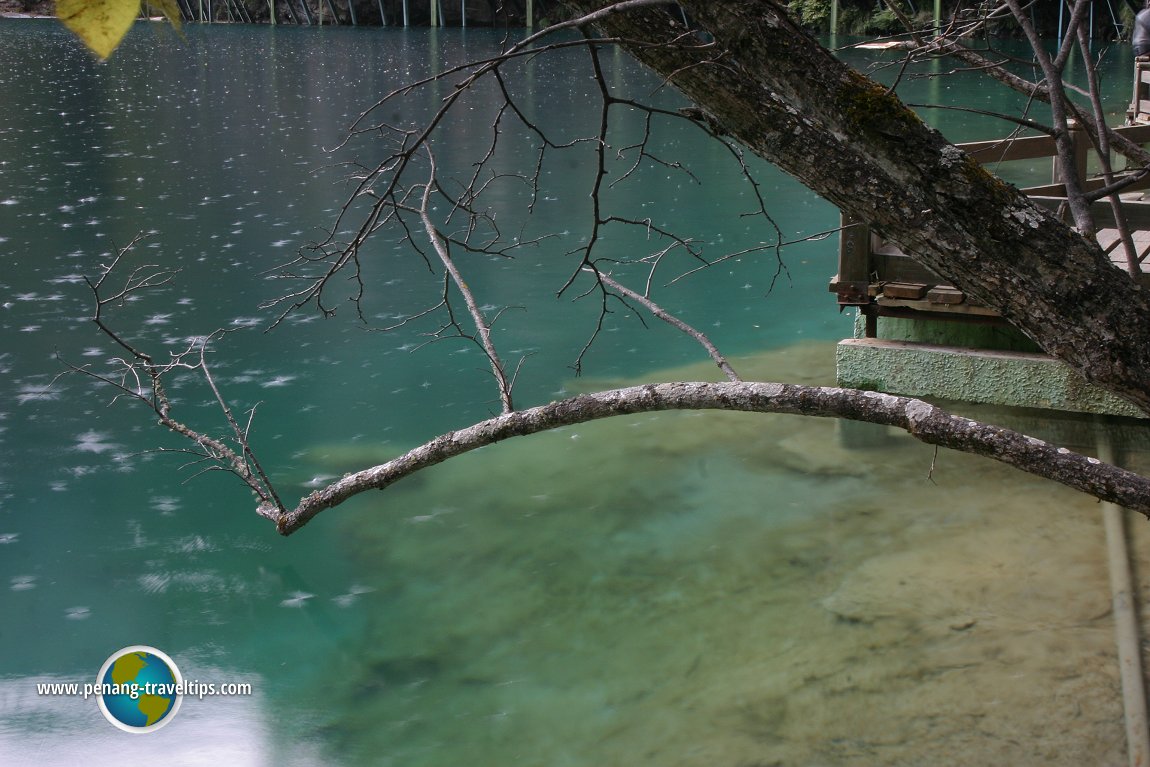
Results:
<point x="170" y="9"/>
<point x="101" y="24"/>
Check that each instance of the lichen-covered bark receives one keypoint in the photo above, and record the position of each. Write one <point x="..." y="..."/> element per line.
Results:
<point x="775" y="89"/>
<point x="923" y="421"/>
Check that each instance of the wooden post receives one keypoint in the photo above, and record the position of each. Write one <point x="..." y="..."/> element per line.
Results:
<point x="434" y="15"/>
<point x="853" y="277"/>
<point x="530" y="14"/>
<point x="1139" y="105"/>
<point x="834" y="17"/>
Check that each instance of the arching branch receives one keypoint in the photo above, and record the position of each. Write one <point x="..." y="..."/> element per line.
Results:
<point x="923" y="421"/>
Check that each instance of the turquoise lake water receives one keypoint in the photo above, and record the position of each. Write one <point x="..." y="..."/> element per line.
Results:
<point x="672" y="590"/>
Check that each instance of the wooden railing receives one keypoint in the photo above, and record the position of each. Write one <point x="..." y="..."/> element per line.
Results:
<point x="879" y="276"/>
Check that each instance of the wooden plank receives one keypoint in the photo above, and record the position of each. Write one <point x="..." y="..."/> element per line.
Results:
<point x="1108" y="239"/>
<point x="1059" y="190"/>
<point x="1000" y="150"/>
<point x="1137" y="212"/>
<point x="914" y="290"/>
<point x="1118" y="256"/>
<point x="891" y="264"/>
<point x="1139" y="134"/>
<point x="1033" y="147"/>
<point x="945" y="294"/>
<point x="927" y="306"/>
<point x="1141" y="244"/>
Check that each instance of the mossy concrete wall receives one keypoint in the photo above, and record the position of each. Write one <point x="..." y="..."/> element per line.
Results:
<point x="967" y="373"/>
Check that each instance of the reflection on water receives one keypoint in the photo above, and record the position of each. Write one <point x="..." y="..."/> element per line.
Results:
<point x="685" y="589"/>
<point x="223" y="730"/>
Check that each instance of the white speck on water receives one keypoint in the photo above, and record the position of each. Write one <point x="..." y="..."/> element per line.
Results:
<point x="94" y="442"/>
<point x="66" y="279"/>
<point x="194" y="544"/>
<point x="23" y="582"/>
<point x="319" y="480"/>
<point x="77" y="613"/>
<point x="165" y="504"/>
<point x="297" y="599"/>
<point x="278" y="381"/>
<point x="154" y="583"/>
<point x="9" y="537"/>
<point x="36" y="393"/>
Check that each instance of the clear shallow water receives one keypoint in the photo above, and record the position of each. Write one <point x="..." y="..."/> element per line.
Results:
<point x="654" y="590"/>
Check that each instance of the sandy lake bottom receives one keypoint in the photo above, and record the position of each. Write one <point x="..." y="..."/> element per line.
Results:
<point x="726" y="589"/>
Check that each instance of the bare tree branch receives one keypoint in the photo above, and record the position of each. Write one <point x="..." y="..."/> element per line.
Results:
<point x="674" y="321"/>
<point x="482" y="327"/>
<point x="141" y="366"/>
<point x="921" y="420"/>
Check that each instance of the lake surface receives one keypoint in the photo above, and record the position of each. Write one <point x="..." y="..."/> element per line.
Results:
<point x="671" y="590"/>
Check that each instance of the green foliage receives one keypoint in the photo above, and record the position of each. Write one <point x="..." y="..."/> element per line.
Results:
<point x="1126" y="19"/>
<point x="884" y="22"/>
<point x="854" y="18"/>
<point x="812" y="14"/>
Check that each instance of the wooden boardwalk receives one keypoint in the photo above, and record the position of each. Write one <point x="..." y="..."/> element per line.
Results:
<point x="881" y="280"/>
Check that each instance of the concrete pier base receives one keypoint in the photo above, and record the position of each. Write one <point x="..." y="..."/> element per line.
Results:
<point x="1013" y="378"/>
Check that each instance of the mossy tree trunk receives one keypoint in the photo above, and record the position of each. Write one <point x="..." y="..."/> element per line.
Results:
<point x="770" y="85"/>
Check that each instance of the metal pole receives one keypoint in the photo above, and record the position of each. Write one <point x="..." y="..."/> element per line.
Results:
<point x="530" y="14"/>
<point x="351" y="12"/>
<point x="405" y="21"/>
<point x="1125" y="625"/>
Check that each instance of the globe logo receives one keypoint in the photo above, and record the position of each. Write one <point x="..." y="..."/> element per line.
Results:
<point x="139" y="689"/>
